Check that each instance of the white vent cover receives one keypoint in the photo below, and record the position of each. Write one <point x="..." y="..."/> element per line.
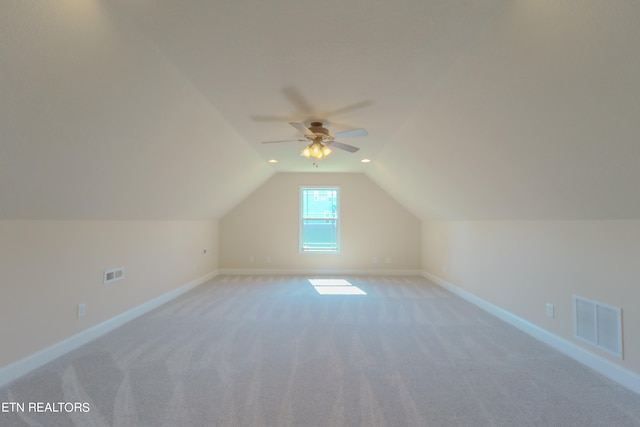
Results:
<point x="113" y="275"/>
<point x="598" y="324"/>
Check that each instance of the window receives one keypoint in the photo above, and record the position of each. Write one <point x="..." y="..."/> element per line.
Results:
<point x="319" y="219"/>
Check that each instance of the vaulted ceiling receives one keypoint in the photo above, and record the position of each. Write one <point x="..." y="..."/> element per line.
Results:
<point x="476" y="109"/>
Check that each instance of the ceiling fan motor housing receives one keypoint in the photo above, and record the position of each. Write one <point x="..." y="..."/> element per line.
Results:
<point x="319" y="130"/>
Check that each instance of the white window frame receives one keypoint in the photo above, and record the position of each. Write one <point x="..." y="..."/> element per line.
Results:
<point x="301" y="219"/>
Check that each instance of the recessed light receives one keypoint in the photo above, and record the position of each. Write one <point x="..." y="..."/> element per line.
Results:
<point x="366" y="160"/>
<point x="273" y="161"/>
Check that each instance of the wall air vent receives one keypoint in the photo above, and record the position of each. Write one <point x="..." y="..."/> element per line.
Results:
<point x="598" y="324"/>
<point x="113" y="275"/>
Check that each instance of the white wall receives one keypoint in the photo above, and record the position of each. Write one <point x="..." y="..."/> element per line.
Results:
<point x="48" y="267"/>
<point x="265" y="227"/>
<point x="520" y="266"/>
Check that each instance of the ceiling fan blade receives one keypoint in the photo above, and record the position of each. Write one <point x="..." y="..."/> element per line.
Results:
<point x="351" y="133"/>
<point x="341" y="146"/>
<point x="349" y="108"/>
<point x="264" y="118"/>
<point x="294" y="96"/>
<point x="302" y="128"/>
<point x="284" y="140"/>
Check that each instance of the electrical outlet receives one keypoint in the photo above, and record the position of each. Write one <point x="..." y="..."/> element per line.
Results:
<point x="82" y="309"/>
<point x="550" y="310"/>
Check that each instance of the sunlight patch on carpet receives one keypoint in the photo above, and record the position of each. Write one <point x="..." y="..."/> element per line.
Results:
<point x="335" y="287"/>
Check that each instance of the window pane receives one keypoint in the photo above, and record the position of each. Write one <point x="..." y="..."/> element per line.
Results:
<point x="319" y="234"/>
<point x="319" y="203"/>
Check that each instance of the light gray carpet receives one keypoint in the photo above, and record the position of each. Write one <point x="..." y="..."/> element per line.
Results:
<point x="270" y="351"/>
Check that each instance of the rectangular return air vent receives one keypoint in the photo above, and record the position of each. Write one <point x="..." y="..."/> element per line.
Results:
<point x="598" y="324"/>
<point x="113" y="275"/>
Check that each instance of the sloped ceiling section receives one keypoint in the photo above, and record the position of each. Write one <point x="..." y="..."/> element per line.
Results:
<point x="349" y="63"/>
<point x="540" y="119"/>
<point x="476" y="109"/>
<point x="95" y="123"/>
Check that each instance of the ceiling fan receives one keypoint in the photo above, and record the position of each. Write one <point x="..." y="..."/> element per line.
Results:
<point x="322" y="141"/>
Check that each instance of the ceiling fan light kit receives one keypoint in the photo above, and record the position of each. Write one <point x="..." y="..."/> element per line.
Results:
<point x="316" y="150"/>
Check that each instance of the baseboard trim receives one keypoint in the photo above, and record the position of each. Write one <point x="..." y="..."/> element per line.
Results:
<point x="622" y="376"/>
<point x="27" y="364"/>
<point x="307" y="272"/>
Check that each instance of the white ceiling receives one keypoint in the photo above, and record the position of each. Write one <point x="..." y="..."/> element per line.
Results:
<point x="476" y="109"/>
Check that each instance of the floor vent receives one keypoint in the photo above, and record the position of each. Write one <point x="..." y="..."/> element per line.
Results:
<point x="113" y="275"/>
<point x="598" y="324"/>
